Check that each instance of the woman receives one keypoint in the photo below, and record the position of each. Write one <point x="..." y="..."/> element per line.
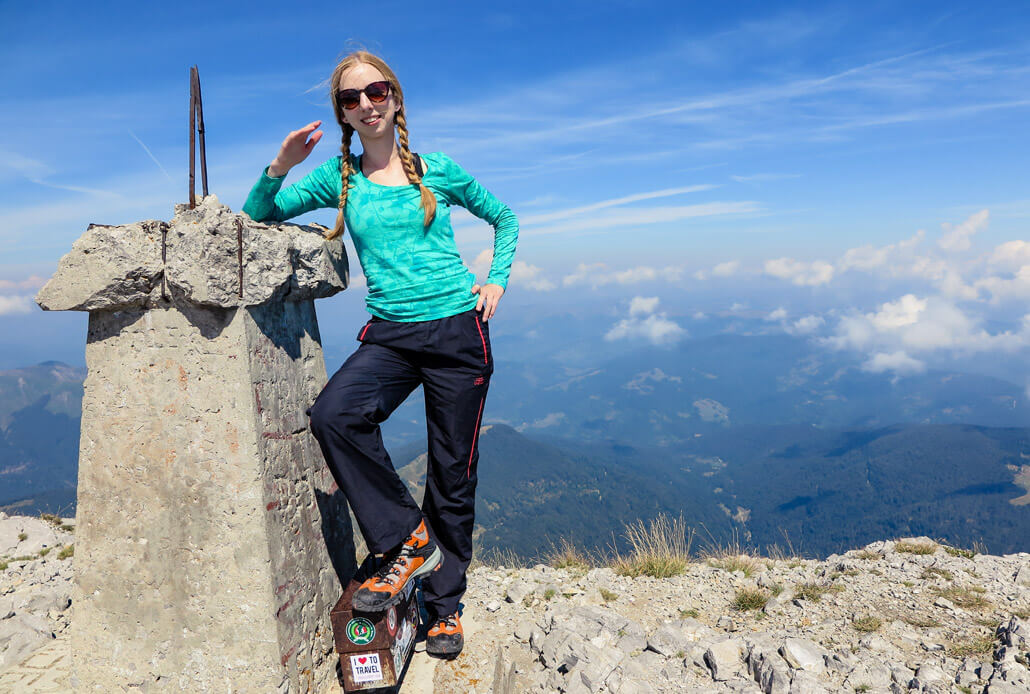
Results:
<point x="428" y="327"/>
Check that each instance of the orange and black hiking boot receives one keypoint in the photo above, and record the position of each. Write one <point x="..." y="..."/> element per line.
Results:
<point x="417" y="555"/>
<point x="445" y="638"/>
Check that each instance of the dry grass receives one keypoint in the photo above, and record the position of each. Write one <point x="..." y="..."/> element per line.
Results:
<point x="867" y="624"/>
<point x="566" y="555"/>
<point x="921" y="621"/>
<point x="749" y="599"/>
<point x="66" y="552"/>
<point x="659" y="548"/>
<point x="496" y="559"/>
<point x="867" y="554"/>
<point x="608" y="596"/>
<point x="815" y="591"/>
<point x="971" y="596"/>
<point x="740" y="562"/>
<point x="978" y="645"/>
<point x="932" y="572"/>
<point x="911" y="547"/>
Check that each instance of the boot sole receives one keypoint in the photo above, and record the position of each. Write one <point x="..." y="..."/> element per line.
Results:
<point x="432" y="564"/>
<point x="448" y="654"/>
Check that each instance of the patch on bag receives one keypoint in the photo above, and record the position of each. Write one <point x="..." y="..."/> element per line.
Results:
<point x="360" y="631"/>
<point x="479" y="381"/>
<point x="366" y="668"/>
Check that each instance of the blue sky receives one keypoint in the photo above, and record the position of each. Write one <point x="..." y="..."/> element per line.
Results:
<point x="855" y="172"/>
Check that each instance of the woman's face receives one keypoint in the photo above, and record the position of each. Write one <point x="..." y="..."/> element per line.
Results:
<point x="368" y="119"/>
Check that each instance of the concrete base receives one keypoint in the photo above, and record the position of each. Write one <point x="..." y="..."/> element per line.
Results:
<point x="211" y="538"/>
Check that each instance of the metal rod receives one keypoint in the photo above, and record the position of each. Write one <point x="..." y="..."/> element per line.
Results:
<point x="164" y="266"/>
<point x="239" y="251"/>
<point x="193" y="144"/>
<point x="200" y="131"/>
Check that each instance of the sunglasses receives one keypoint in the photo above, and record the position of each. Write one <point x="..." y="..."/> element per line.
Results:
<point x="376" y="93"/>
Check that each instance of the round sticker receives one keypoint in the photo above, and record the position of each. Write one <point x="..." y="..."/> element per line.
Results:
<point x="360" y="631"/>
<point x="391" y="621"/>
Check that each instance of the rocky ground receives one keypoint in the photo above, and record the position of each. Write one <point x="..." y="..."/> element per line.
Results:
<point x="896" y="616"/>
<point x="35" y="583"/>
<point x="887" y="618"/>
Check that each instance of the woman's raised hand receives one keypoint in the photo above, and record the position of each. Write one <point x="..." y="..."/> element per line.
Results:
<point x="295" y="149"/>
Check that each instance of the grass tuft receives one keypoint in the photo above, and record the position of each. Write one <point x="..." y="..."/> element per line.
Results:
<point x="22" y="537"/>
<point x="660" y="548"/>
<point x="978" y="645"/>
<point x="965" y="597"/>
<point x="910" y="547"/>
<point x="735" y="562"/>
<point x="867" y="624"/>
<point x="815" y="591"/>
<point x="66" y="552"/>
<point x="608" y="595"/>
<point x="566" y="555"/>
<point x="749" y="599"/>
<point x="932" y="572"/>
<point x="867" y="554"/>
<point x="692" y="612"/>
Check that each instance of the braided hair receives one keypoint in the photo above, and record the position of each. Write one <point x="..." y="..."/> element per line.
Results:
<point x="407" y="158"/>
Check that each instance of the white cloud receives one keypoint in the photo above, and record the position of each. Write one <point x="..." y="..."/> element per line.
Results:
<point x="10" y="305"/>
<point x="897" y="362"/>
<point x="916" y="325"/>
<point x="956" y="238"/>
<point x="641" y="305"/>
<point x="33" y="282"/>
<point x="806" y="325"/>
<point x="778" y="314"/>
<point x="549" y="420"/>
<point x="1016" y="287"/>
<point x="630" y="218"/>
<point x="645" y="324"/>
<point x="522" y="274"/>
<point x="599" y="274"/>
<point x="726" y="269"/>
<point x="1011" y="256"/>
<point x="800" y="272"/>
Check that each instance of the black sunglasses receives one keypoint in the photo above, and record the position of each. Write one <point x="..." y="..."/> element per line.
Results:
<point x="376" y="93"/>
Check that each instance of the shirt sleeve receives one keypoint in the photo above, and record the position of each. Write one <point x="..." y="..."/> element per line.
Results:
<point x="468" y="193"/>
<point x="320" y="188"/>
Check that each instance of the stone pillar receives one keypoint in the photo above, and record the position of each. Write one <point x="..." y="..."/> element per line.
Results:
<point x="210" y="540"/>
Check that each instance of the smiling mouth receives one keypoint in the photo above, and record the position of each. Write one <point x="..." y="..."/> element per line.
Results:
<point x="371" y="121"/>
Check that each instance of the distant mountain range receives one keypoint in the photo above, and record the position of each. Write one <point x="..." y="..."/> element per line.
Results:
<point x="667" y="396"/>
<point x="40" y="409"/>
<point x="818" y="491"/>
<point x="757" y="438"/>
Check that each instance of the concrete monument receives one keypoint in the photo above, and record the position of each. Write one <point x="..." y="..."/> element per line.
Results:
<point x="211" y="539"/>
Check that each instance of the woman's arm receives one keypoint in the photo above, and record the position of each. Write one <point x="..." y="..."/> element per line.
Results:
<point x="318" y="189"/>
<point x="468" y="193"/>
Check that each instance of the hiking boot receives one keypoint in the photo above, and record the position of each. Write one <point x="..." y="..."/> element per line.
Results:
<point x="417" y="555"/>
<point x="445" y="638"/>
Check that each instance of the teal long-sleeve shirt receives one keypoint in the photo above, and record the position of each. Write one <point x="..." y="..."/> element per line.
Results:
<point x="414" y="273"/>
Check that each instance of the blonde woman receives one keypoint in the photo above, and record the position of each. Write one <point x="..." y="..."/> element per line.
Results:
<point x="428" y="327"/>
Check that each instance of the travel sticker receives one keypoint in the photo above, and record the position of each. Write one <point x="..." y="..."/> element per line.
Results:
<point x="366" y="668"/>
<point x="360" y="631"/>
<point x="391" y="621"/>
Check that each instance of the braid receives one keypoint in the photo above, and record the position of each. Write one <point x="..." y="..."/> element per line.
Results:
<point x="345" y="172"/>
<point x="408" y="160"/>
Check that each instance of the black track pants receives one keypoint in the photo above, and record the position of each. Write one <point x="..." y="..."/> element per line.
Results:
<point x="450" y="358"/>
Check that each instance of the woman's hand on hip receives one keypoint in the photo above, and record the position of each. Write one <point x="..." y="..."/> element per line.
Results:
<point x="295" y="149"/>
<point x="489" y="295"/>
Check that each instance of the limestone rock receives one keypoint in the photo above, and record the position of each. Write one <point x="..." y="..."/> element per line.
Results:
<point x="121" y="267"/>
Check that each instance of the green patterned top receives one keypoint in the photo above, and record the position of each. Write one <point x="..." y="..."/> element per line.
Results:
<point x="414" y="273"/>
